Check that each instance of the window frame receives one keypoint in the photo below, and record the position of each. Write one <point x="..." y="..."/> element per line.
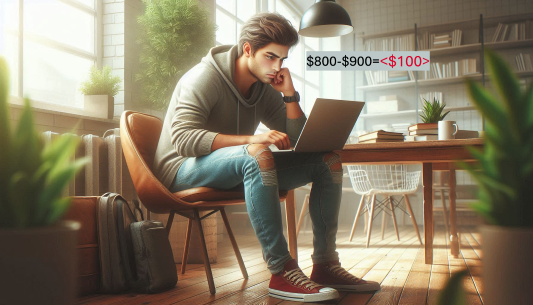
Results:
<point x="17" y="98"/>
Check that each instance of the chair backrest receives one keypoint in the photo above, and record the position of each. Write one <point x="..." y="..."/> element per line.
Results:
<point x="139" y="135"/>
<point x="386" y="179"/>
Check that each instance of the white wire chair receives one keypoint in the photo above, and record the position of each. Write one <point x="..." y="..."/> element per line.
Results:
<point x="387" y="181"/>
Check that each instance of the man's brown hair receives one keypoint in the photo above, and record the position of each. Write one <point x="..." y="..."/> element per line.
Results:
<point x="265" y="28"/>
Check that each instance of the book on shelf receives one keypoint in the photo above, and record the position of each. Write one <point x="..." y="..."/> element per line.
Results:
<point x="381" y="140"/>
<point x="422" y="132"/>
<point x="430" y="97"/>
<point x="422" y="138"/>
<point x="421" y="126"/>
<point x="395" y="43"/>
<point x="382" y="135"/>
<point x="523" y="62"/>
<point x="453" y="69"/>
<point x="513" y="31"/>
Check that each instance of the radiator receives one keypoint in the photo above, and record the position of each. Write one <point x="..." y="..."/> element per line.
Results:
<point x="106" y="170"/>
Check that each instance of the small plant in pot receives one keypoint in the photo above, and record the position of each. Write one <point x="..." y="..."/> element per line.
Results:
<point x="37" y="257"/>
<point x="504" y="174"/>
<point x="432" y="112"/>
<point x="99" y="91"/>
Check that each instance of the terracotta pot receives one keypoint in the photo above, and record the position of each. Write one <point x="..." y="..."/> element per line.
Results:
<point x="38" y="265"/>
<point x="507" y="265"/>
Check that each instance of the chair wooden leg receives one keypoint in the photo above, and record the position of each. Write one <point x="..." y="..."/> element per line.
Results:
<point x="170" y="221"/>
<point x="412" y="217"/>
<point x="234" y="244"/>
<point x="383" y="223"/>
<point x="302" y="213"/>
<point x="207" y="265"/>
<point x="445" y="212"/>
<point x="366" y="221"/>
<point x="186" y="248"/>
<point x="361" y="203"/>
<point x="370" y="219"/>
<point x="394" y="218"/>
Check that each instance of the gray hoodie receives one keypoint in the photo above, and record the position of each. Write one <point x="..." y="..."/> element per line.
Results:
<point x="206" y="102"/>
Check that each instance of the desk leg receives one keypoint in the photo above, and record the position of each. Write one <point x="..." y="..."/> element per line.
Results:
<point x="454" y="241"/>
<point x="427" y="182"/>
<point x="290" y="210"/>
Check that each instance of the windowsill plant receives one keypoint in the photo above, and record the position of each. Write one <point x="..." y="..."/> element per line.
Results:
<point x="99" y="92"/>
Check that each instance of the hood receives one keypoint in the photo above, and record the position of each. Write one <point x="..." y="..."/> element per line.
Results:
<point x="223" y="59"/>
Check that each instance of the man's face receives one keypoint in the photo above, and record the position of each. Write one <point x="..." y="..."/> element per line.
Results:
<point x="267" y="61"/>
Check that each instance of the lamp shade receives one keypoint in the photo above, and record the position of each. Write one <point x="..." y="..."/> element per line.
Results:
<point x="325" y="18"/>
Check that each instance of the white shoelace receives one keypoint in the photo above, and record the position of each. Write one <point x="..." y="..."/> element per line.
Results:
<point x="338" y="270"/>
<point x="298" y="278"/>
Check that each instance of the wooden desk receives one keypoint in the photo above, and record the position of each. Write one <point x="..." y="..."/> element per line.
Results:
<point x="425" y="152"/>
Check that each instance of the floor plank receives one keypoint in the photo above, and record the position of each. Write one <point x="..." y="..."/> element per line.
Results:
<point x="398" y="265"/>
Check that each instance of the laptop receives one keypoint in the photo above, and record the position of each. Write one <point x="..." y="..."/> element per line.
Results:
<point x="328" y="126"/>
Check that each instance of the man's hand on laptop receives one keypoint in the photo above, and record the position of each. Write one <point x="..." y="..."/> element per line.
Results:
<point x="280" y="139"/>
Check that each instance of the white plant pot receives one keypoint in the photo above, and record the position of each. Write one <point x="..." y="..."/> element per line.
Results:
<point x="39" y="265"/>
<point x="99" y="106"/>
<point x="507" y="265"/>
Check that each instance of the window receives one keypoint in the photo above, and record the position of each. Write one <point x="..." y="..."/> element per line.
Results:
<point x="52" y="55"/>
<point x="231" y="15"/>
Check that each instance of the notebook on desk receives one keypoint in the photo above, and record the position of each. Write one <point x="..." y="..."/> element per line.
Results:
<point x="328" y="126"/>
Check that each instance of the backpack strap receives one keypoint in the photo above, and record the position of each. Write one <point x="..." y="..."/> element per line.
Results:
<point x="134" y="283"/>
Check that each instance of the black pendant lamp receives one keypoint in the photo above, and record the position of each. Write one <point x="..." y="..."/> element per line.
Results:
<point x="325" y="18"/>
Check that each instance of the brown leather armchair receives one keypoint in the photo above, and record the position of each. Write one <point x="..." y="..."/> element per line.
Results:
<point x="139" y="135"/>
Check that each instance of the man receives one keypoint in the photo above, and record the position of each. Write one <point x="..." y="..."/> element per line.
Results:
<point x="208" y="140"/>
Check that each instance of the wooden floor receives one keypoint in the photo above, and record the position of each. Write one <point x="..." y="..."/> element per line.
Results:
<point x="397" y="265"/>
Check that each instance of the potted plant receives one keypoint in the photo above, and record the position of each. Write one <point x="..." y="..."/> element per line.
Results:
<point x="504" y="174"/>
<point x="37" y="258"/>
<point x="99" y="91"/>
<point x="174" y="36"/>
<point x="432" y="112"/>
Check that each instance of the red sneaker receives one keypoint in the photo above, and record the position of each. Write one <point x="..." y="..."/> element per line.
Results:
<point x="331" y="274"/>
<point x="293" y="285"/>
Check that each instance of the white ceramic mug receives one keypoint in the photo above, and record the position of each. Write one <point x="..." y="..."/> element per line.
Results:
<point x="447" y="130"/>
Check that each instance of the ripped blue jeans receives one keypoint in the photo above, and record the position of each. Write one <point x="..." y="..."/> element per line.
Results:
<point x="263" y="175"/>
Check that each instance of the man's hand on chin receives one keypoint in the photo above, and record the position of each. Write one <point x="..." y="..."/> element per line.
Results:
<point x="282" y="82"/>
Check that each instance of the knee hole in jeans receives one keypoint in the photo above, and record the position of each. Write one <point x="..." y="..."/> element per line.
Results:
<point x="265" y="160"/>
<point x="333" y="161"/>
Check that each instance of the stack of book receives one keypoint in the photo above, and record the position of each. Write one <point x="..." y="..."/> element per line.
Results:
<point x="401" y="127"/>
<point x="386" y="103"/>
<point x="437" y="41"/>
<point x="423" y="132"/>
<point x="381" y="136"/>
<point x="523" y="62"/>
<point x="398" y="76"/>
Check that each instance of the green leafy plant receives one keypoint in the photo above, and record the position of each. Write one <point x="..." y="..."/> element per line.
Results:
<point x="454" y="293"/>
<point x="504" y="171"/>
<point x="175" y="35"/>
<point x="432" y="112"/>
<point x="101" y="82"/>
<point x="32" y="176"/>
